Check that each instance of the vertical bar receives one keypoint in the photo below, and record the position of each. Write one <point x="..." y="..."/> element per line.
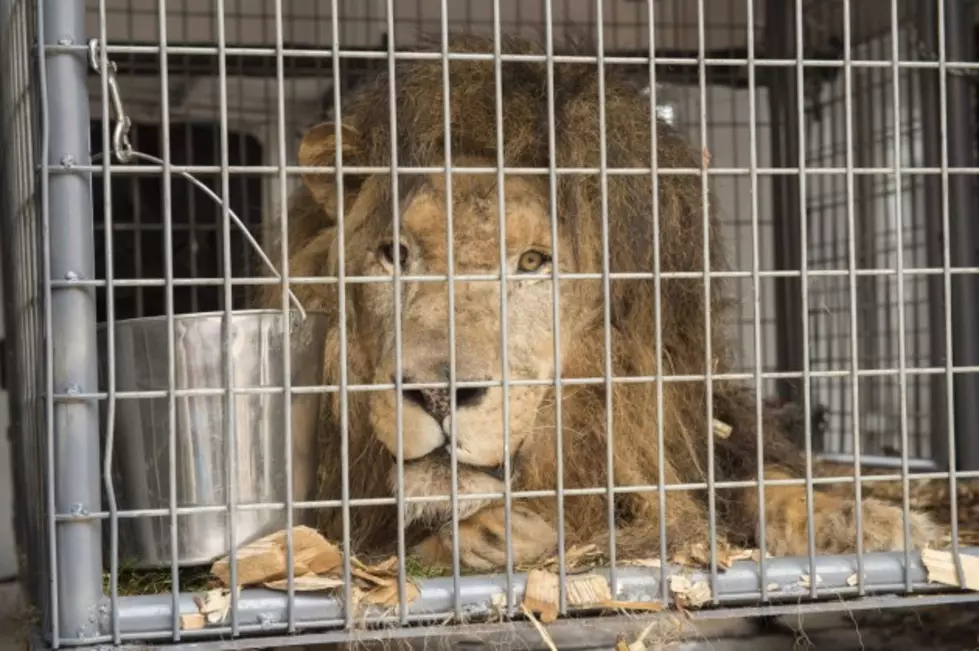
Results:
<point x="504" y="315"/>
<point x="398" y="335"/>
<point x="110" y="339"/>
<point x="950" y="414"/>
<point x="784" y="106"/>
<point x="964" y="231"/>
<point x="342" y="319"/>
<point x="708" y="348"/>
<point x="803" y="235"/>
<point x="606" y="298"/>
<point x="852" y="277"/>
<point x="280" y="110"/>
<point x="932" y="115"/>
<point x="756" y="289"/>
<point x="658" y="309"/>
<point x="229" y="368"/>
<point x="899" y="246"/>
<point x="552" y="184"/>
<point x="450" y="264"/>
<point x="69" y="319"/>
<point x="168" y="298"/>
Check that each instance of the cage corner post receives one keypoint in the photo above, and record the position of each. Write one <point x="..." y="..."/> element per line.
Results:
<point x="72" y="346"/>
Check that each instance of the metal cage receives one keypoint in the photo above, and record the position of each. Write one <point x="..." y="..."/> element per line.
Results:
<point x="843" y="141"/>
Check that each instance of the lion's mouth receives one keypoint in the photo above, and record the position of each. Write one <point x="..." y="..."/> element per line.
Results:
<point x="444" y="456"/>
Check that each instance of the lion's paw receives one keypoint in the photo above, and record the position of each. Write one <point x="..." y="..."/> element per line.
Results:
<point x="482" y="540"/>
<point x="836" y="528"/>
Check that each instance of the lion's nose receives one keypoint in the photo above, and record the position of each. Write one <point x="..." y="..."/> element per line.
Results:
<point x="437" y="402"/>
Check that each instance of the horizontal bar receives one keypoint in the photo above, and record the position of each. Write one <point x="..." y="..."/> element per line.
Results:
<point x="642" y="379"/>
<point x="521" y="58"/>
<point x="527" y="494"/>
<point x="297" y="170"/>
<point x="257" y="281"/>
<point x="149" y="617"/>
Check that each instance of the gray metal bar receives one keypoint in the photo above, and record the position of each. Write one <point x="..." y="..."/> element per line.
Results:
<point x="265" y="610"/>
<point x="932" y="155"/>
<point x="902" y="360"/>
<point x="963" y="231"/>
<point x="784" y="109"/>
<point x="71" y="349"/>
<point x="718" y="630"/>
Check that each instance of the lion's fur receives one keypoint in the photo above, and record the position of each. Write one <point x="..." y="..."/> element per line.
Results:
<point x="313" y="251"/>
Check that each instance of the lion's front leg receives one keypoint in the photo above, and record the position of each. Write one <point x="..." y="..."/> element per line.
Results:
<point x="482" y="539"/>
<point x="835" y="520"/>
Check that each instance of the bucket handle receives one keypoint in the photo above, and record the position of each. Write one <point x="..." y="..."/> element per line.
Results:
<point x="123" y="149"/>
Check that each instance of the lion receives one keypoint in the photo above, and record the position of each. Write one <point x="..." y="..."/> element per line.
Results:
<point x="611" y="461"/>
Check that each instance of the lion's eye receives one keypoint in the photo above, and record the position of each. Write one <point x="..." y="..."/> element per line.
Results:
<point x="533" y="260"/>
<point x="387" y="252"/>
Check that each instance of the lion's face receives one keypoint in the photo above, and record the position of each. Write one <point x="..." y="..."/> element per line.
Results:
<point x="425" y="311"/>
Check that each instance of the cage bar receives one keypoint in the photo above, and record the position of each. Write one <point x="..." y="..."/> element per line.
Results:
<point x="932" y="156"/>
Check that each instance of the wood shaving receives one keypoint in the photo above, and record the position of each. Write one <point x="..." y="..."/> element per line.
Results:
<point x="215" y="606"/>
<point x="265" y="559"/>
<point x="317" y="566"/>
<point x="941" y="569"/>
<point x="541" y="595"/>
<point x="721" y="429"/>
<point x="372" y="578"/>
<point x="192" y="621"/>
<point x="588" y="590"/>
<point x="689" y="594"/>
<point x="306" y="583"/>
<point x="385" y="567"/>
<point x="698" y="556"/>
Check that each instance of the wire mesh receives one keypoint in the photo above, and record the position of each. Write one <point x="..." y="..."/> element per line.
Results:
<point x="814" y="122"/>
<point x="22" y="295"/>
<point x="877" y="242"/>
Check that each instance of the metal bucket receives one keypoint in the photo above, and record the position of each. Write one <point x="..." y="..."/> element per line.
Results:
<point x="142" y="433"/>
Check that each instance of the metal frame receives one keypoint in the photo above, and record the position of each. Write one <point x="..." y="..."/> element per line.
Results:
<point x="71" y="368"/>
<point x="77" y="613"/>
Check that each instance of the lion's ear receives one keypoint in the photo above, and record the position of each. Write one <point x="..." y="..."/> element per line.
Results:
<point x="319" y="149"/>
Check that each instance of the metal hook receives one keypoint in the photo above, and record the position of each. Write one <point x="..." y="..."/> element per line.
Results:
<point x="121" y="145"/>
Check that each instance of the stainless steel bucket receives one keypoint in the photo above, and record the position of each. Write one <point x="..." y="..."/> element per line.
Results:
<point x="142" y="432"/>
